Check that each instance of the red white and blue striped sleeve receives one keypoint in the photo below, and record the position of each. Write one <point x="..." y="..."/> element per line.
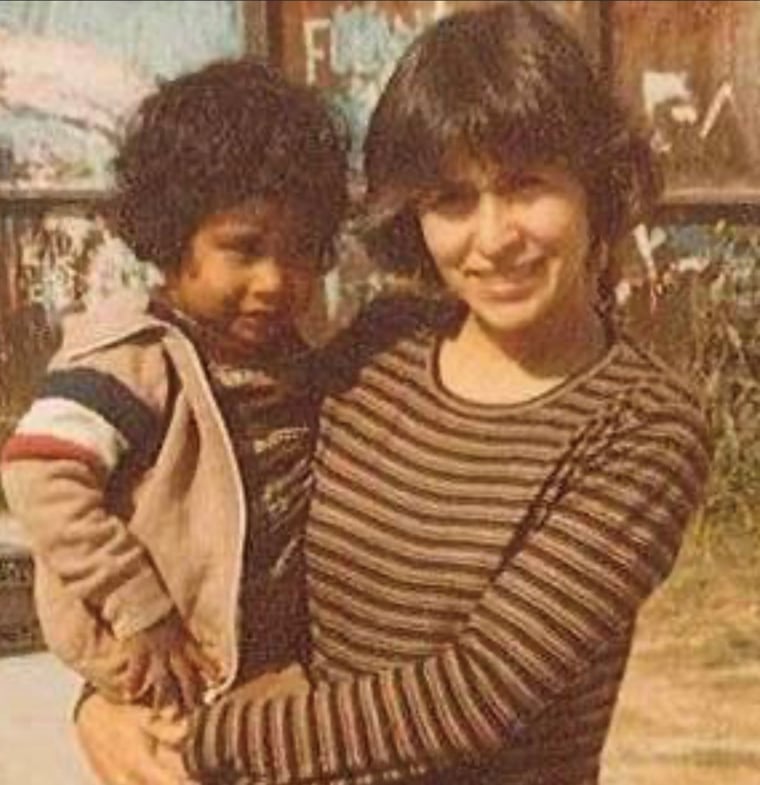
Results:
<point x="86" y="415"/>
<point x="56" y="467"/>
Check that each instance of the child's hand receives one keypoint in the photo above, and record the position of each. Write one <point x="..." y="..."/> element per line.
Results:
<point x="167" y="727"/>
<point x="168" y="663"/>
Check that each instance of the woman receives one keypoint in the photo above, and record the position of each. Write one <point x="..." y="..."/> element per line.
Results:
<point x="498" y="493"/>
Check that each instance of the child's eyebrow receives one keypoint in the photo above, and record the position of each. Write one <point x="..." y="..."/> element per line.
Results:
<point x="241" y="227"/>
<point x="239" y="234"/>
<point x="241" y="240"/>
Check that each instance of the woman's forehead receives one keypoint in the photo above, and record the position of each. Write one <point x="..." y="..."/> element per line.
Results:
<point x="461" y="165"/>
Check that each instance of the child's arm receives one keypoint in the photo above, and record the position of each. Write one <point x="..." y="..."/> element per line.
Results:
<point x="55" y="484"/>
<point x="377" y="326"/>
<point x="56" y="470"/>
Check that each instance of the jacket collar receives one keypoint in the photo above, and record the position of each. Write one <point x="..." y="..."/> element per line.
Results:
<point x="107" y="322"/>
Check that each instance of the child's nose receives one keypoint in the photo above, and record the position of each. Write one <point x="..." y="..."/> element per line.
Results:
<point x="268" y="278"/>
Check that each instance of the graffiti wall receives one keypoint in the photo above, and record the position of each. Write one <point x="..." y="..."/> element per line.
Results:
<point x="350" y="48"/>
<point x="70" y="73"/>
<point x="691" y="70"/>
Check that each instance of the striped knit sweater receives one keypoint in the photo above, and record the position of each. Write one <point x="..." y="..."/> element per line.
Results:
<point x="474" y="577"/>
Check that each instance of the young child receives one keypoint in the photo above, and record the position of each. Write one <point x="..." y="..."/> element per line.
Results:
<point x="162" y="471"/>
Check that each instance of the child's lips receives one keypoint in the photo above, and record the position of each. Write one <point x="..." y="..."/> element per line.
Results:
<point x="258" y="324"/>
<point x="257" y="317"/>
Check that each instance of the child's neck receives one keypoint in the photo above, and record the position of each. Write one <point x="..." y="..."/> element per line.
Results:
<point x="479" y="366"/>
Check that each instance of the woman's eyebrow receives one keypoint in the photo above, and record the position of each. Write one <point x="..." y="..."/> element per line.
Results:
<point x="453" y="184"/>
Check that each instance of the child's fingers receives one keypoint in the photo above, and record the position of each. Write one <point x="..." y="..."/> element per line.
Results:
<point x="137" y="672"/>
<point x="168" y="728"/>
<point x="205" y="664"/>
<point x="187" y="680"/>
<point x="165" y="690"/>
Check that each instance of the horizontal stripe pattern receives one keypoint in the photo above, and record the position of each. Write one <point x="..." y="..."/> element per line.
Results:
<point x="93" y="412"/>
<point x="102" y="393"/>
<point x="33" y="446"/>
<point x="475" y="573"/>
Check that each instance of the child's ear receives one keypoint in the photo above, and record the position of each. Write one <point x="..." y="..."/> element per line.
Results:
<point x="172" y="272"/>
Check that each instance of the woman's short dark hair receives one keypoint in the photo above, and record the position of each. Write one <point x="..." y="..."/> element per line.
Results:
<point x="506" y="83"/>
<point x="216" y="138"/>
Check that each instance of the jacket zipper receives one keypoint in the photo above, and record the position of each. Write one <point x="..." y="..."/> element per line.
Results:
<point x="233" y="622"/>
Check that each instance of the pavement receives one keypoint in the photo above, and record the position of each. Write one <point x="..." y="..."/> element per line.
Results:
<point x="37" y="696"/>
<point x="37" y="743"/>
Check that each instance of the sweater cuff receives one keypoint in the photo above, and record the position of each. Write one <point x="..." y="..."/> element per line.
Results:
<point x="204" y="752"/>
<point x="137" y="604"/>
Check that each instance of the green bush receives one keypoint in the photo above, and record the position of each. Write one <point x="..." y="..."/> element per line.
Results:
<point x="701" y="314"/>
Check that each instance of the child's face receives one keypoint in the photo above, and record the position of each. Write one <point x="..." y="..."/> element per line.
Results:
<point x="512" y="244"/>
<point x="249" y="272"/>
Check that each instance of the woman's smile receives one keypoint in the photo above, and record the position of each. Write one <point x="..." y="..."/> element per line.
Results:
<point x="509" y="282"/>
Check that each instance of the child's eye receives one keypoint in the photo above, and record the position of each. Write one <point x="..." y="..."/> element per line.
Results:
<point x="244" y="249"/>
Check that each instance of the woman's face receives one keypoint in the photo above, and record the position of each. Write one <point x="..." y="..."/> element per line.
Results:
<point x="513" y="244"/>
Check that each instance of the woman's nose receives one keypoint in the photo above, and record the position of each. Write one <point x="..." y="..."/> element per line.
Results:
<point x="497" y="226"/>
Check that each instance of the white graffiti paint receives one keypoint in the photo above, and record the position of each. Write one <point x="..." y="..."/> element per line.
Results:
<point x="661" y="87"/>
<point x="313" y="31"/>
<point x="359" y="46"/>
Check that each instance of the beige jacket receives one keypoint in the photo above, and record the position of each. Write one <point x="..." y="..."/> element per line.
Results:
<point x="177" y="538"/>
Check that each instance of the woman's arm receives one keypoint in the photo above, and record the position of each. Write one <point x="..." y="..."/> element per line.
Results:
<point x="378" y="325"/>
<point x="571" y="590"/>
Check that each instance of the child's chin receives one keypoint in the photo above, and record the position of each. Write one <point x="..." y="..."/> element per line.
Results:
<point x="256" y="334"/>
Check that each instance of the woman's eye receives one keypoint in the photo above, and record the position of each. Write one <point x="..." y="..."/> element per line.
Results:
<point x="451" y="200"/>
<point x="527" y="181"/>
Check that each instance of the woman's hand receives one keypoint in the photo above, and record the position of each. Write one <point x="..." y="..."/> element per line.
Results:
<point x="122" y="752"/>
<point x="291" y="680"/>
<point x="169" y="729"/>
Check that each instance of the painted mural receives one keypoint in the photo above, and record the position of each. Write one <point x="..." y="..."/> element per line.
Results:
<point x="691" y="70"/>
<point x="70" y="74"/>
<point x="350" y="48"/>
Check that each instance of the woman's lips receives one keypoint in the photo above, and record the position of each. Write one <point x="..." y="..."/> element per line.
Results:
<point x="510" y="282"/>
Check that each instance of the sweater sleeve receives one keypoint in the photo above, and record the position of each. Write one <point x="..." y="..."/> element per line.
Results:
<point x="377" y="326"/>
<point x="57" y="470"/>
<point x="574" y="585"/>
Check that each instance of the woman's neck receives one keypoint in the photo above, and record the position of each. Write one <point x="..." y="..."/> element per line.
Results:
<point x="483" y="367"/>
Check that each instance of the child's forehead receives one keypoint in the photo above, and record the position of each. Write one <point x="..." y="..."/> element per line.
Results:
<point x="256" y="213"/>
